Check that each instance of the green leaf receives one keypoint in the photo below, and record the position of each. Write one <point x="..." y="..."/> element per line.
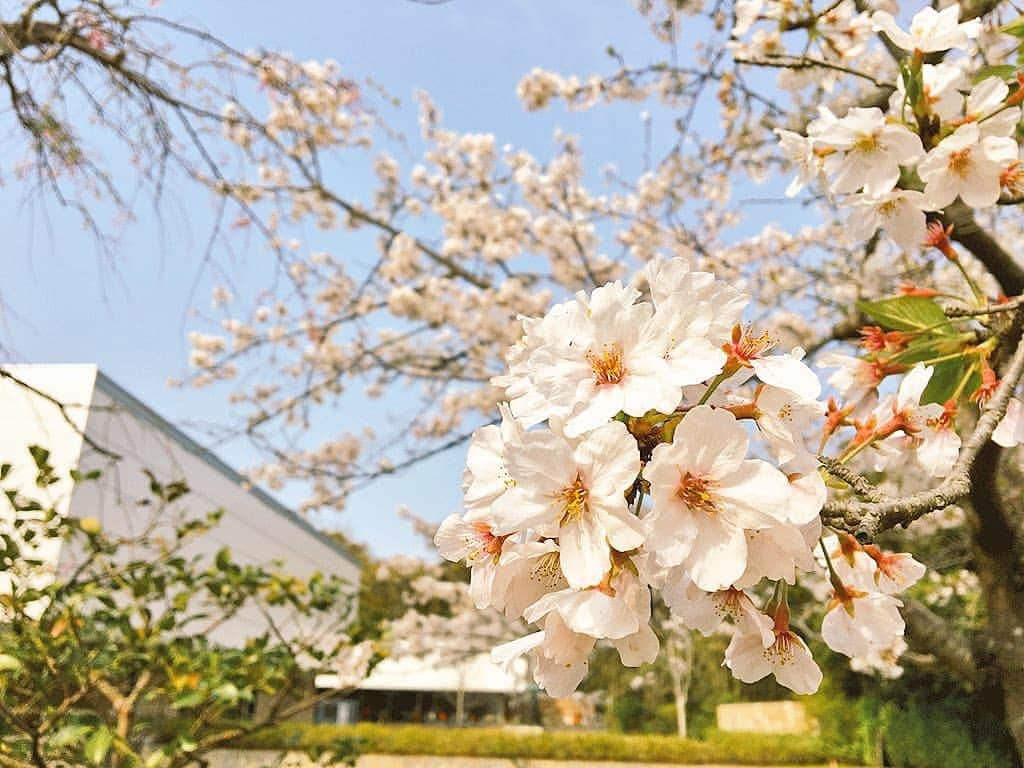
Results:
<point x="68" y="735"/>
<point x="39" y="455"/>
<point x="1015" y="27"/>
<point x="193" y="699"/>
<point x="5" y="470"/>
<point x="1002" y="71"/>
<point x="98" y="745"/>
<point x="907" y="313"/>
<point x="943" y="382"/>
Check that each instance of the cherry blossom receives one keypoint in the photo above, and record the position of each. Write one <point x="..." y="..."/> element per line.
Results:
<point x="859" y="622"/>
<point x="930" y="30"/>
<point x="785" y="655"/>
<point x="900" y="212"/>
<point x="706" y="492"/>
<point x="574" y="491"/>
<point x="869" y="152"/>
<point x="967" y="165"/>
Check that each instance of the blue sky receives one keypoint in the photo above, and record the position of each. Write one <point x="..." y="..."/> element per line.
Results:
<point x="67" y="304"/>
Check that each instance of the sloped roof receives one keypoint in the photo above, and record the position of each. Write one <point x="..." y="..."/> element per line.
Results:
<point x="140" y="410"/>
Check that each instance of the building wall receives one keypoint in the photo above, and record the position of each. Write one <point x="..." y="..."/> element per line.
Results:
<point x="255" y="528"/>
<point x="29" y="419"/>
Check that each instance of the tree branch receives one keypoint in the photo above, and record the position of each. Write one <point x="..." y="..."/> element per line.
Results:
<point x="866" y="519"/>
<point x="930" y="633"/>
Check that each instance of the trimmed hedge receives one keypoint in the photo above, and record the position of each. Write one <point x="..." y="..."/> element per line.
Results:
<point x="736" y="748"/>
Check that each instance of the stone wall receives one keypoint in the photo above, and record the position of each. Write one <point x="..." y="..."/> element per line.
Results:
<point x="766" y="717"/>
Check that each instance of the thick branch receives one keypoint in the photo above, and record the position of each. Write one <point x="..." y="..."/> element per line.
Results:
<point x="866" y="519"/>
<point x="930" y="633"/>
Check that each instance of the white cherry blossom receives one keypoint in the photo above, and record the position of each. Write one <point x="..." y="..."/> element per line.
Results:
<point x="870" y="151"/>
<point x="574" y="490"/>
<point x="900" y="212"/>
<point x="706" y="492"/>
<point x="786" y="656"/>
<point x="930" y="30"/>
<point x="859" y="622"/>
<point x="616" y="362"/>
<point x="967" y="165"/>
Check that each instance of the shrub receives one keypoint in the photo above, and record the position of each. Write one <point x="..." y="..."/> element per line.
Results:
<point x="735" y="748"/>
<point x="928" y="737"/>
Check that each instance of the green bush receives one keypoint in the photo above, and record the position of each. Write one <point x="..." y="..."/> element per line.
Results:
<point x="735" y="748"/>
<point x="928" y="737"/>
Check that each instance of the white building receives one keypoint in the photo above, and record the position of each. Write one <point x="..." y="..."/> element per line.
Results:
<point x="84" y="419"/>
<point x="431" y="690"/>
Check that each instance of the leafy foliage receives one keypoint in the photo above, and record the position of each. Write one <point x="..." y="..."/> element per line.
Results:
<point x="113" y="661"/>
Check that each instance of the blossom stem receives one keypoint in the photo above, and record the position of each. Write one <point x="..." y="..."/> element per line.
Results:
<point x="833" y="576"/>
<point x="963" y="380"/>
<point x="712" y="387"/>
<point x="979" y="297"/>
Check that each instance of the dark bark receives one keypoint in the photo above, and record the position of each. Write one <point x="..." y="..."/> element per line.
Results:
<point x="996" y="540"/>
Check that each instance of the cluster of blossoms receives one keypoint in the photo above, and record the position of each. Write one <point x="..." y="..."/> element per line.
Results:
<point x="940" y="138"/>
<point x="625" y="462"/>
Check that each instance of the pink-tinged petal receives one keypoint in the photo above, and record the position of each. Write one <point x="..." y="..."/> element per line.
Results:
<point x="544" y="462"/>
<point x="516" y="511"/>
<point x="746" y="659"/>
<point x="453" y="538"/>
<point x="912" y="387"/>
<point x="639" y="648"/>
<point x="756" y="495"/>
<point x="799" y="672"/>
<point x="788" y="372"/>
<point x="939" y="451"/>
<point x="709" y="442"/>
<point x="719" y="555"/>
<point x="560" y="679"/>
<point x="807" y="495"/>
<point x="610" y="459"/>
<point x="905" y="144"/>
<point x="505" y="654"/>
<point x="623" y="529"/>
<point x="982" y="191"/>
<point x="1010" y="431"/>
<point x="585" y="552"/>
<point x="600" y="404"/>
<point x="481" y="585"/>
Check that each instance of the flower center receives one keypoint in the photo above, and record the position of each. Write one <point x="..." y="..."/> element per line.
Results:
<point x="696" y="493"/>
<point x="960" y="162"/>
<point x="607" y="365"/>
<point x="781" y="651"/>
<point x="866" y="142"/>
<point x="573" y="500"/>
<point x="888" y="208"/>
<point x="729" y="603"/>
<point x="485" y="543"/>
<point x="548" y="570"/>
<point x="745" y="346"/>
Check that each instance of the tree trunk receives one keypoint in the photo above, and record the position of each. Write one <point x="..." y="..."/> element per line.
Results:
<point x="999" y="556"/>
<point x="679" y="651"/>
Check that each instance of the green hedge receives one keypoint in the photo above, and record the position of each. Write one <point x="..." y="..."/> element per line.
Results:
<point x="736" y="748"/>
<point x="928" y="737"/>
